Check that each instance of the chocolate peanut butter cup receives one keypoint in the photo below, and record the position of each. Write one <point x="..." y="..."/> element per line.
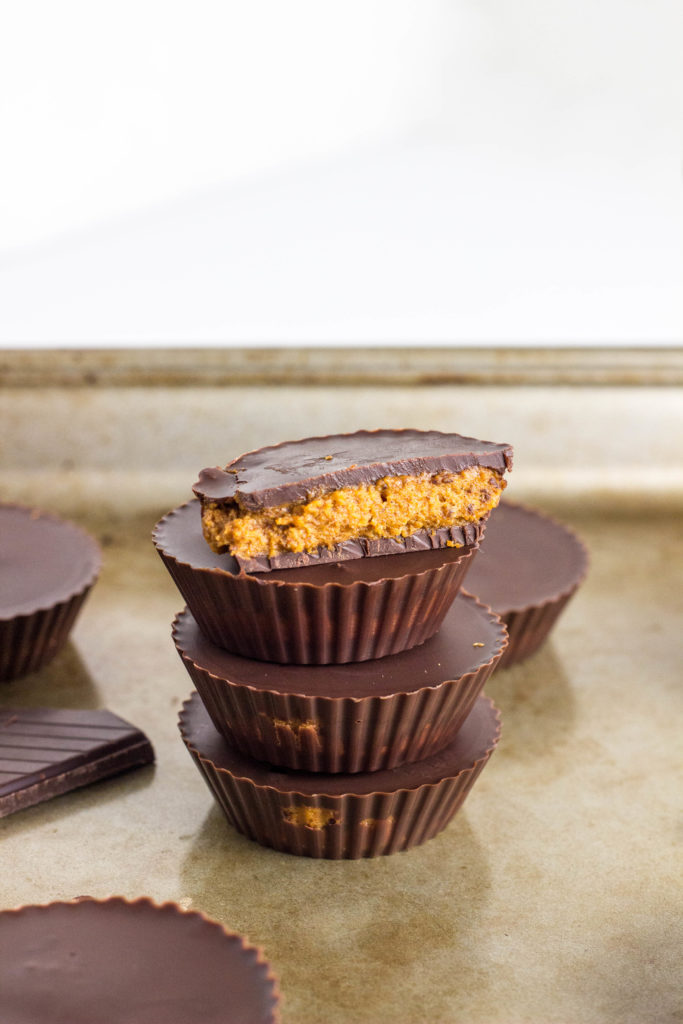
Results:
<point x="342" y="816"/>
<point x="345" y="496"/>
<point x="358" y="717"/>
<point x="47" y="568"/>
<point x="333" y="613"/>
<point x="116" y="961"/>
<point x="527" y="570"/>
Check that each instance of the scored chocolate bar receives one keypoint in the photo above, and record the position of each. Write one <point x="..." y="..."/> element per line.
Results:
<point x="45" y="752"/>
<point x="348" y="496"/>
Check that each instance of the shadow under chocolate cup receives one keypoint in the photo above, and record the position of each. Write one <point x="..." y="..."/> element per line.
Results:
<point x="357" y="717"/>
<point x="342" y="816"/>
<point x="323" y="614"/>
<point x="527" y="570"/>
<point x="90" y="960"/>
<point x="48" y="568"/>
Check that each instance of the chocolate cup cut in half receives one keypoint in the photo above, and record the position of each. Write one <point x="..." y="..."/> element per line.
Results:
<point x="343" y="816"/>
<point x="317" y="615"/>
<point x="48" y="567"/>
<point x="357" y="717"/>
<point x="94" y="960"/>
<point x="295" y="472"/>
<point x="528" y="568"/>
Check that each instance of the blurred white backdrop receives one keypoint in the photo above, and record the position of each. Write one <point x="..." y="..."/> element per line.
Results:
<point x="442" y="171"/>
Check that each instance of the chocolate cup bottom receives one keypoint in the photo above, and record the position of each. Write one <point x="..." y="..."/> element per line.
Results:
<point x="369" y="814"/>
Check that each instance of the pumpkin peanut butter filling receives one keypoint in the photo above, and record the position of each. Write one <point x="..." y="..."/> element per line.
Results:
<point x="392" y="507"/>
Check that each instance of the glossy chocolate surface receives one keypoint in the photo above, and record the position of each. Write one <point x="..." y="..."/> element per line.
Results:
<point x="297" y="470"/>
<point x="114" y="962"/>
<point x="473" y="741"/>
<point x="448" y="655"/>
<point x="524" y="560"/>
<point x="45" y="752"/>
<point x="43" y="560"/>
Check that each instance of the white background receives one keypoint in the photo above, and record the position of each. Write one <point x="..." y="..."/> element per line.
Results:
<point x="375" y="172"/>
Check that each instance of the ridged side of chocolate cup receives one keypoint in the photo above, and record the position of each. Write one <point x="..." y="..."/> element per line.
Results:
<point x="28" y="642"/>
<point x="555" y="565"/>
<point x="319" y="733"/>
<point x="51" y="564"/>
<point x="373" y="826"/>
<point x="309" y="624"/>
<point x="58" y="563"/>
<point x="352" y="825"/>
<point x="529" y="628"/>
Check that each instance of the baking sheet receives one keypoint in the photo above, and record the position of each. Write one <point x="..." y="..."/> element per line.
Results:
<point x="551" y="897"/>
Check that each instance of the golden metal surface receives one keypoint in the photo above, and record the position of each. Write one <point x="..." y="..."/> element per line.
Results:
<point x="413" y="366"/>
<point x="553" y="897"/>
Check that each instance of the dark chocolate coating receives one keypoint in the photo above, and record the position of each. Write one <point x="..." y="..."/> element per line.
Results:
<point x="115" y="962"/>
<point x="473" y="742"/>
<point x="43" y="560"/>
<point x="45" y="752"/>
<point x="447" y="656"/>
<point x="527" y="570"/>
<point x="381" y="547"/>
<point x="47" y="567"/>
<point x="298" y="470"/>
<point x="525" y="560"/>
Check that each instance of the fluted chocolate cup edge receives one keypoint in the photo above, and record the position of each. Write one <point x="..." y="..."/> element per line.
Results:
<point x="318" y="733"/>
<point x="310" y="624"/>
<point x="350" y="826"/>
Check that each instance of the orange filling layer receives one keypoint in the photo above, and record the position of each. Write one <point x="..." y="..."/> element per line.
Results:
<point x="310" y="817"/>
<point x="395" y="507"/>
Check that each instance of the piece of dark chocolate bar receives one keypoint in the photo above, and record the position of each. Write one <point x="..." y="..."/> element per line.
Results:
<point x="45" y="752"/>
<point x="351" y="496"/>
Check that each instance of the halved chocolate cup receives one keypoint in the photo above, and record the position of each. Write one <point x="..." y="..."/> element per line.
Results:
<point x="323" y="614"/>
<point x="357" y="717"/>
<point x="367" y="814"/>
<point x="527" y="570"/>
<point x="274" y="481"/>
<point x="90" y="960"/>
<point x="48" y="568"/>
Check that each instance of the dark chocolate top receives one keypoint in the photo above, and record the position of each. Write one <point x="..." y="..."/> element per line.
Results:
<point x="474" y="740"/>
<point x="447" y="656"/>
<point x="38" y="745"/>
<point x="525" y="559"/>
<point x="114" y="962"/>
<point x="299" y="470"/>
<point x="179" y="535"/>
<point x="43" y="560"/>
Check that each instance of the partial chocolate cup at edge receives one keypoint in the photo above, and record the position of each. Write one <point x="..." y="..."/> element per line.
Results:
<point x="367" y="814"/>
<point x="357" y="717"/>
<point x="323" y="614"/>
<point x="49" y="566"/>
<point x="171" y="964"/>
<point x="528" y="569"/>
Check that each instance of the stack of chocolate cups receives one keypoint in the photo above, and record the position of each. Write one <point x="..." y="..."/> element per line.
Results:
<point x="338" y="710"/>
